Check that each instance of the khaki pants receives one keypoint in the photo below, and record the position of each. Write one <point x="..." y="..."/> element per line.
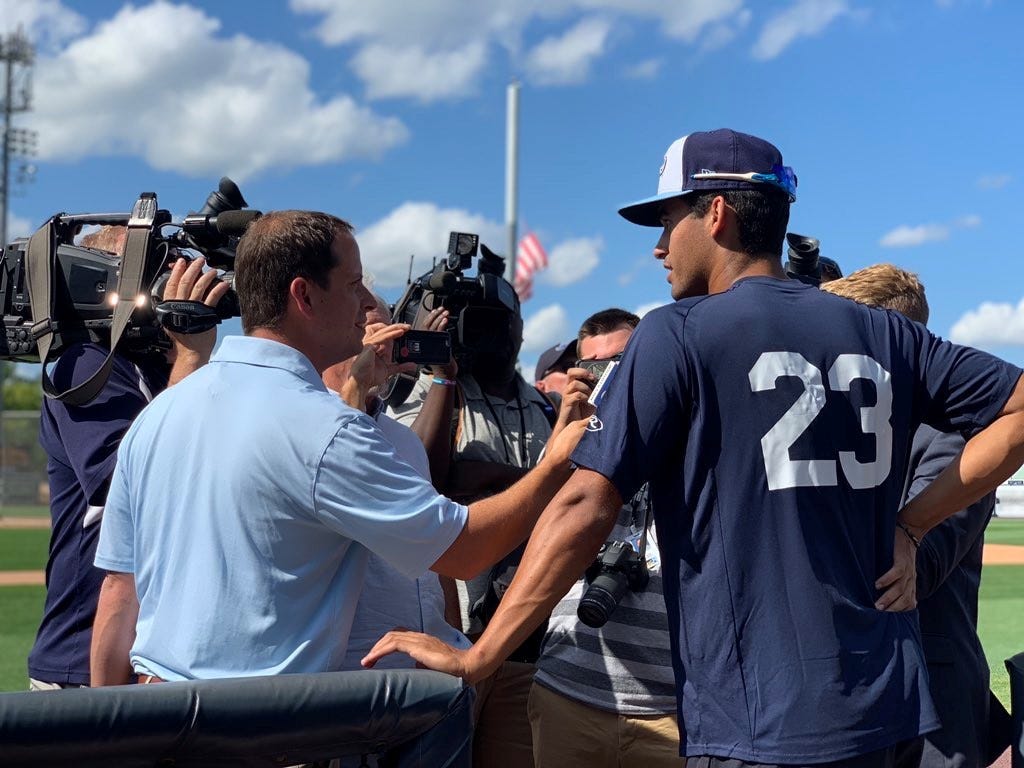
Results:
<point x="568" y="733"/>
<point x="501" y="737"/>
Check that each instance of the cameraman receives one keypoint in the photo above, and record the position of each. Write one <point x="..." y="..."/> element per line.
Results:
<point x="484" y="430"/>
<point x="81" y="447"/>
<point x="606" y="696"/>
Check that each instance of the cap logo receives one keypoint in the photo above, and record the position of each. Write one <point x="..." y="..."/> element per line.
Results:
<point x="664" y="164"/>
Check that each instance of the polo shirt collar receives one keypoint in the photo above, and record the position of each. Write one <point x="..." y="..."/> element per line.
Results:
<point x="250" y="350"/>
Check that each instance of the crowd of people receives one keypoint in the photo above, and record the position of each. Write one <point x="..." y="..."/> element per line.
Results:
<point x="777" y="503"/>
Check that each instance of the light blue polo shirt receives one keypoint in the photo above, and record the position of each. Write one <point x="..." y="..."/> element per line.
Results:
<point x="245" y="501"/>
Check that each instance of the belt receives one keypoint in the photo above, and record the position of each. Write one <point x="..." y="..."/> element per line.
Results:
<point x="147" y="679"/>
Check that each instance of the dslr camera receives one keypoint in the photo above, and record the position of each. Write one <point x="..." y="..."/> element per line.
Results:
<point x="618" y="567"/>
<point x="83" y="282"/>
<point x="482" y="307"/>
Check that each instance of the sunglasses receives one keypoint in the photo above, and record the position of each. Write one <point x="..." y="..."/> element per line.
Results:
<point x="782" y="176"/>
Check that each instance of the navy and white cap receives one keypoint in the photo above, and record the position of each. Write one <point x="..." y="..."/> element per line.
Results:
<point x="713" y="160"/>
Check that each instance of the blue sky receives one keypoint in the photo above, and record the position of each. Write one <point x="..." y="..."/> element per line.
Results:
<point x="902" y="121"/>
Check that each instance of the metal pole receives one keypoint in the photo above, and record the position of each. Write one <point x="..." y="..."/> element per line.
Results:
<point x="8" y="93"/>
<point x="511" y="174"/>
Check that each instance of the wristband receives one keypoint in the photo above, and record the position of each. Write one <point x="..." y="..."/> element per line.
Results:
<point x="914" y="540"/>
<point x="443" y="382"/>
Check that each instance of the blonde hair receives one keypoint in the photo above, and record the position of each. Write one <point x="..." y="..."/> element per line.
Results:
<point x="886" y="286"/>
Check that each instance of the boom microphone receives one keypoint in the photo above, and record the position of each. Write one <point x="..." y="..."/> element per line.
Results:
<point x="234" y="223"/>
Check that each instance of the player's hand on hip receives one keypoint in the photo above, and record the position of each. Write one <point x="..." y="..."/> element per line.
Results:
<point x="899" y="582"/>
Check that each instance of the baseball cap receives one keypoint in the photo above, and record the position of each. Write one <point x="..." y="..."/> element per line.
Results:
<point x="550" y="358"/>
<point x="713" y="160"/>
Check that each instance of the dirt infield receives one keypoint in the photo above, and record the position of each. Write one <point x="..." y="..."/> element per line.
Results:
<point x="22" y="578"/>
<point x="1003" y="554"/>
<point x="24" y="522"/>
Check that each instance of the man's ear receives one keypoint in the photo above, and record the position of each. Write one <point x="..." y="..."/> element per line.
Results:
<point x="717" y="216"/>
<point x="299" y="296"/>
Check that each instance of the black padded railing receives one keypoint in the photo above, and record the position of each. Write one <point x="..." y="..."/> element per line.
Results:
<point x="406" y="717"/>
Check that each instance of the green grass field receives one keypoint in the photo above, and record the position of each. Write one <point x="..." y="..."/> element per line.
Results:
<point x="1005" y="531"/>
<point x="1000" y="624"/>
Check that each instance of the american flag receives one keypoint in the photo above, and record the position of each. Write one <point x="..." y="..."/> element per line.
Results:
<point x="530" y="258"/>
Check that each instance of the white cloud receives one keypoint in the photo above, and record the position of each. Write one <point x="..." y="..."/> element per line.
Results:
<point x="566" y="60"/>
<point x="643" y="309"/>
<point x="412" y="72"/>
<point x="991" y="324"/>
<point x="434" y="28"/>
<point x="417" y="229"/>
<point x="572" y="260"/>
<point x="18" y="226"/>
<point x="46" y="22"/>
<point x="644" y="70"/>
<point x="994" y="181"/>
<point x="906" y="236"/>
<point x="141" y="84"/>
<point x="805" y="18"/>
<point x="545" y="328"/>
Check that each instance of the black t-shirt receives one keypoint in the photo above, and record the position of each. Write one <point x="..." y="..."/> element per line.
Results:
<point x="81" y="445"/>
<point x="773" y="423"/>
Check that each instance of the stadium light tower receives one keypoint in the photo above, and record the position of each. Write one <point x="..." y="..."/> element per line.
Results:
<point x="17" y="55"/>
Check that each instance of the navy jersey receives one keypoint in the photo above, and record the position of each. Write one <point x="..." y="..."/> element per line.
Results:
<point x="81" y="447"/>
<point x="773" y="422"/>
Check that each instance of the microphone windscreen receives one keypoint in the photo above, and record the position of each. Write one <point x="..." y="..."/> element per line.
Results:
<point x="234" y="223"/>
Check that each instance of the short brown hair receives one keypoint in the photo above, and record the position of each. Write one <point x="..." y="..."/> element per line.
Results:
<point x="885" y="286"/>
<point x="275" y="249"/>
<point x="606" y="321"/>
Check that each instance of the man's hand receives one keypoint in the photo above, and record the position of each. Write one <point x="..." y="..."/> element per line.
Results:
<point x="561" y="446"/>
<point x="437" y="320"/>
<point x="900" y="581"/>
<point x="575" y="396"/>
<point x="188" y="282"/>
<point x="428" y="652"/>
<point x="371" y="367"/>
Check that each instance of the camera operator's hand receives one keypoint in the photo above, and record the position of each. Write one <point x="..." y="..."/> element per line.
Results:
<point x="188" y="282"/>
<point x="437" y="320"/>
<point x="575" y="405"/>
<point x="561" y="445"/>
<point x="373" y="365"/>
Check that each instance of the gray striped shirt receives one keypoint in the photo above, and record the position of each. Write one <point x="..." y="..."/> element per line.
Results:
<point x="626" y="665"/>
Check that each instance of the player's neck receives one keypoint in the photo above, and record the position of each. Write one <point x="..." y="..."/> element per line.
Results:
<point x="728" y="270"/>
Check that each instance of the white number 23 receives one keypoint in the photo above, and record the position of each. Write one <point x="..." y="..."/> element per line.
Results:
<point x="784" y="472"/>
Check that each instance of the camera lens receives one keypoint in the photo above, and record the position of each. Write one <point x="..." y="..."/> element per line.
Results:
<point x="602" y="596"/>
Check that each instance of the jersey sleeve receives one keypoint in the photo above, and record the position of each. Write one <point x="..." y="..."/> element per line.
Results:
<point x="91" y="433"/>
<point x="366" y="492"/>
<point x="642" y="419"/>
<point x="961" y="389"/>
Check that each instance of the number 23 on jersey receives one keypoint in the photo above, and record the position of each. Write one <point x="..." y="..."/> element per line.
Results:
<point x="784" y="472"/>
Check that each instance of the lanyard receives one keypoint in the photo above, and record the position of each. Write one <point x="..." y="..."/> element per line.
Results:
<point x="501" y="429"/>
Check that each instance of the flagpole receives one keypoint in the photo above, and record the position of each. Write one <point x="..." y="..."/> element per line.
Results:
<point x="511" y="174"/>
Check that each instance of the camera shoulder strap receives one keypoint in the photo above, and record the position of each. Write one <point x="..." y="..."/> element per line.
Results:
<point x="40" y="257"/>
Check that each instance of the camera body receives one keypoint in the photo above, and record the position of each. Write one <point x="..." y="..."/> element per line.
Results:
<point x="805" y="262"/>
<point x="618" y="567"/>
<point x="84" y="281"/>
<point x="483" y="307"/>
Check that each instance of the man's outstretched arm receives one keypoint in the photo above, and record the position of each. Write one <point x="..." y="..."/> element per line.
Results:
<point x="565" y="540"/>
<point x="113" y="631"/>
